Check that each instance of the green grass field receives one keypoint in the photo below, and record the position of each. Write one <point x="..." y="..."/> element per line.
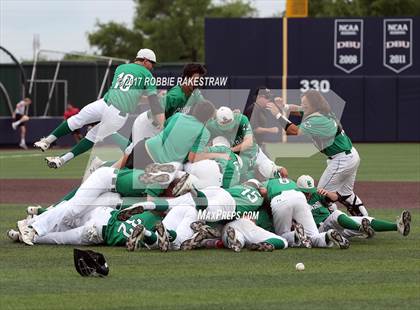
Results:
<point x="380" y="162"/>
<point x="382" y="273"/>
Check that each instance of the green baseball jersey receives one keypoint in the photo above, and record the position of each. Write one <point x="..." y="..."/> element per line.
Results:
<point x="117" y="232"/>
<point x="326" y="134"/>
<point x="235" y="133"/>
<point x="181" y="134"/>
<point x="130" y="82"/>
<point x="264" y="220"/>
<point x="176" y="101"/>
<point x="276" y="186"/>
<point x="319" y="210"/>
<point x="247" y="198"/>
<point x="128" y="184"/>
<point x="230" y="168"/>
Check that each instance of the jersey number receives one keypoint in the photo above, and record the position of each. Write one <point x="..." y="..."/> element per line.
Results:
<point x="123" y="227"/>
<point x="251" y="195"/>
<point x="124" y="81"/>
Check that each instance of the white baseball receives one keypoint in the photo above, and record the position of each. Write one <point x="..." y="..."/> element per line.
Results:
<point x="300" y="267"/>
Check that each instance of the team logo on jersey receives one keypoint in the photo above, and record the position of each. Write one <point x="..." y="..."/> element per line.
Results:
<point x="348" y="44"/>
<point x="398" y="44"/>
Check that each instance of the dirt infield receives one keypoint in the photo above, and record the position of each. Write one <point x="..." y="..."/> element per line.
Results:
<point x="47" y="191"/>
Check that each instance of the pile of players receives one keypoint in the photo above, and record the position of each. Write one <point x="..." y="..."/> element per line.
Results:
<point x="192" y="176"/>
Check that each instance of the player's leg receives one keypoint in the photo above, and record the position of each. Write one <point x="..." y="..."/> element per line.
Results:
<point x="91" y="113"/>
<point x="265" y="165"/>
<point x="179" y="219"/>
<point x="22" y="142"/>
<point x="207" y="173"/>
<point x="143" y="128"/>
<point x="282" y="213"/>
<point x="214" y="203"/>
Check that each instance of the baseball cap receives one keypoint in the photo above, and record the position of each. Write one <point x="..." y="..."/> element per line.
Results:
<point x="306" y="184"/>
<point x="224" y="118"/>
<point x="255" y="182"/>
<point x="148" y="54"/>
<point x="220" y="141"/>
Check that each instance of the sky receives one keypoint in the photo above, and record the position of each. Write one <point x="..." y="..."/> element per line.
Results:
<point x="63" y="24"/>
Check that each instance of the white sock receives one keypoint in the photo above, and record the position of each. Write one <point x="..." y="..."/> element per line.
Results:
<point x="68" y="156"/>
<point x="51" y="138"/>
<point x="17" y="123"/>
<point x="22" y="141"/>
<point x="147" y="233"/>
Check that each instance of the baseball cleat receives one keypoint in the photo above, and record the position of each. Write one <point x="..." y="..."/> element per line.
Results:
<point x="183" y="186"/>
<point x="14" y="235"/>
<point x="33" y="210"/>
<point x="125" y="214"/>
<point x="156" y="168"/>
<point x="403" y="223"/>
<point x="232" y="242"/>
<point x="92" y="235"/>
<point x="42" y="144"/>
<point x="335" y="237"/>
<point x="27" y="235"/>
<point x="54" y="162"/>
<point x="194" y="242"/>
<point x="135" y="239"/>
<point x="262" y="247"/>
<point x="23" y="146"/>
<point x="366" y="229"/>
<point x="301" y="237"/>
<point x="14" y="125"/>
<point x="209" y="232"/>
<point x="95" y="163"/>
<point x="163" y="237"/>
<point x="153" y="178"/>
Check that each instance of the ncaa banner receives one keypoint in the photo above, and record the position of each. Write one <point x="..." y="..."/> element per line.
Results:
<point x="398" y="44"/>
<point x="348" y="44"/>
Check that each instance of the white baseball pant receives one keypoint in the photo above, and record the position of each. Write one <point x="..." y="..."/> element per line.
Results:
<point x="248" y="233"/>
<point x="98" y="111"/>
<point x="292" y="205"/>
<point x="331" y="222"/>
<point x="265" y="165"/>
<point x="143" y="128"/>
<point x="179" y="219"/>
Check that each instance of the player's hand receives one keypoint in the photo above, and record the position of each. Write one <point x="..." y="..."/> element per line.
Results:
<point x="273" y="108"/>
<point x="322" y="191"/>
<point x="283" y="172"/>
<point x="279" y="102"/>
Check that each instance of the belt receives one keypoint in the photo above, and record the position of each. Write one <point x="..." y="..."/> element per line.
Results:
<point x="345" y="152"/>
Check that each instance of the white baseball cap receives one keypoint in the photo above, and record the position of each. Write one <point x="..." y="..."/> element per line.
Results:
<point x="255" y="182"/>
<point x="224" y="115"/>
<point x="220" y="141"/>
<point x="306" y="184"/>
<point x="148" y="54"/>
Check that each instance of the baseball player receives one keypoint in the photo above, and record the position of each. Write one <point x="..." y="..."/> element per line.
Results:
<point x="237" y="129"/>
<point x="130" y="82"/>
<point x="20" y="119"/>
<point x="179" y="98"/>
<point x="328" y="136"/>
<point x="288" y="204"/>
<point x="347" y="226"/>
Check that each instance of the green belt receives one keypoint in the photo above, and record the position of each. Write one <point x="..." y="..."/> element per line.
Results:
<point x="346" y="152"/>
<point x="123" y="114"/>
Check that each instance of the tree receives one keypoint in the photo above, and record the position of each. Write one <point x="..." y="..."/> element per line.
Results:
<point x="334" y="8"/>
<point x="174" y="29"/>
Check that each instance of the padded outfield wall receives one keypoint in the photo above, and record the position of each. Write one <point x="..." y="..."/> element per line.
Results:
<point x="372" y="63"/>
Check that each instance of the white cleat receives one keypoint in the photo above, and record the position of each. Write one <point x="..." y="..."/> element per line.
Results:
<point x="403" y="223"/>
<point x="33" y="210"/>
<point x="95" y="163"/>
<point x="184" y="185"/>
<point x="134" y="241"/>
<point x="27" y="234"/>
<point x="14" y="235"/>
<point x="23" y="146"/>
<point x="54" y="162"/>
<point x="301" y="236"/>
<point x="42" y="144"/>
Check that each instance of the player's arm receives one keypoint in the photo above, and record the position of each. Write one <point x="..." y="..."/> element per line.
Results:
<point x="267" y="130"/>
<point x="244" y="145"/>
<point x="126" y="159"/>
<point x="157" y="110"/>
<point x="332" y="196"/>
